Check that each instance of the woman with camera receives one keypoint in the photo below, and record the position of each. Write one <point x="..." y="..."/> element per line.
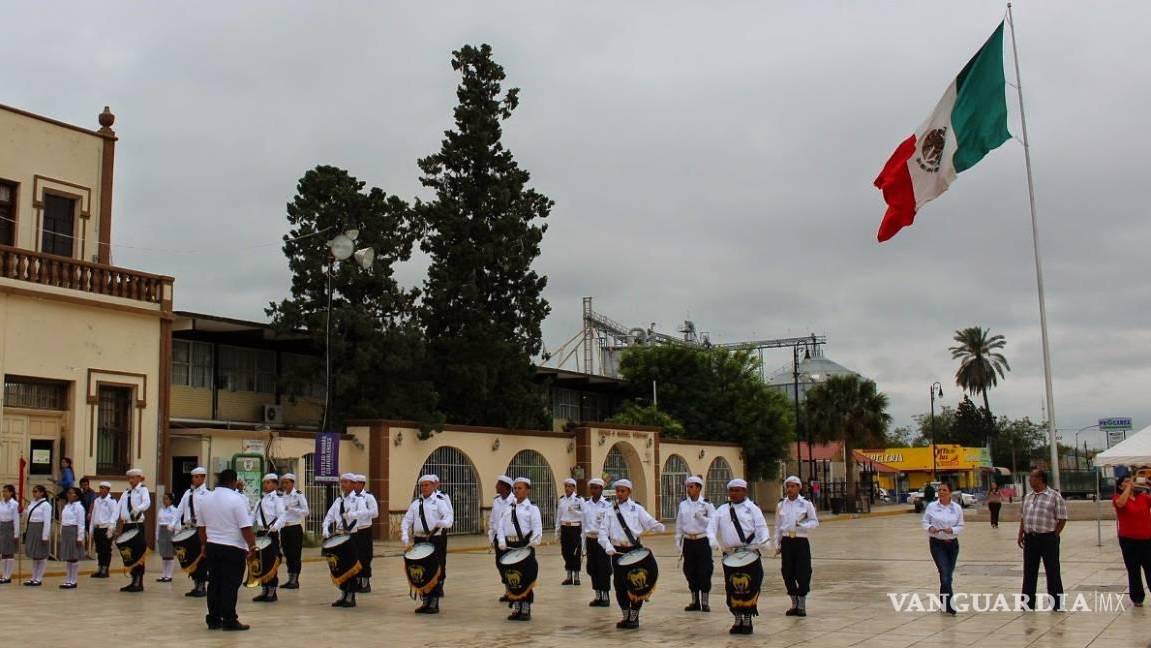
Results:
<point x="1133" y="515"/>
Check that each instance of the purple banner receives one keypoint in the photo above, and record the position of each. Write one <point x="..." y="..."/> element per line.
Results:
<point x="327" y="457"/>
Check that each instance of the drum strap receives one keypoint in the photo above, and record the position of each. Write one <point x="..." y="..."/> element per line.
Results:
<point x="516" y="524"/>
<point x="192" y="505"/>
<point x="131" y="509"/>
<point x="344" y="520"/>
<point x="738" y="526"/>
<point x="424" y="520"/>
<point x="626" y="529"/>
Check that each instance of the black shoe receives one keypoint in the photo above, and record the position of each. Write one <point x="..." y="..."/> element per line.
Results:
<point x="366" y="589"/>
<point x="5" y="581"/>
<point x="234" y="626"/>
<point x="100" y="573"/>
<point x="213" y="624"/>
<point x="340" y="603"/>
<point x="291" y="584"/>
<point x="271" y="598"/>
<point x="505" y="599"/>
<point x="631" y="625"/>
<point x="68" y="586"/>
<point x="694" y="607"/>
<point x="577" y="581"/>
<point x="163" y="579"/>
<point x="424" y="609"/>
<point x="622" y="625"/>
<point x="800" y="612"/>
<point x="261" y="598"/>
<point x="594" y="603"/>
<point x="515" y="616"/>
<point x="32" y="583"/>
<point x="704" y="607"/>
<point x="791" y="612"/>
<point x="736" y="629"/>
<point x="568" y="581"/>
<point x="196" y="593"/>
<point x="746" y="629"/>
<point x="604" y="603"/>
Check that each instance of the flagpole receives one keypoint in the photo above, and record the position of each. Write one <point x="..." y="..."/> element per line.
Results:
<point x="1038" y="264"/>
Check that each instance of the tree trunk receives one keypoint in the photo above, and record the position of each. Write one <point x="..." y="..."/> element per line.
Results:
<point x="851" y="487"/>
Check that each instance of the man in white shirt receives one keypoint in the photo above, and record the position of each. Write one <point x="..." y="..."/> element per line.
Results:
<point x="292" y="535"/>
<point x="187" y="516"/>
<point x="133" y="504"/>
<point x="521" y="525"/>
<point x="342" y="518"/>
<point x="739" y="527"/>
<point x="428" y="519"/>
<point x="268" y="519"/>
<point x="619" y="534"/>
<point x="569" y="531"/>
<point x="102" y="527"/>
<point x="500" y="503"/>
<point x="691" y="521"/>
<point x="795" y="517"/>
<point x="225" y="526"/>
<point x="595" y="508"/>
<point x="365" y="545"/>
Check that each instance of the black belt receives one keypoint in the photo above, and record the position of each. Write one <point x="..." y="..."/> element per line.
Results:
<point x="1036" y="534"/>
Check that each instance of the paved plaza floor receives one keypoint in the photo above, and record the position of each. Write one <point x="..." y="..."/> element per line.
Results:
<point x="857" y="563"/>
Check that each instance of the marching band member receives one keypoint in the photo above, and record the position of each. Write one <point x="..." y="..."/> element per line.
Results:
<point x="739" y="524"/>
<point x="691" y="521"/>
<point x="166" y="518"/>
<point x="9" y="531"/>
<point x="500" y="504"/>
<point x="598" y="563"/>
<point x="620" y="533"/>
<point x="134" y="503"/>
<point x="519" y="515"/>
<point x="37" y="530"/>
<point x="369" y="511"/>
<point x="102" y="527"/>
<point x="569" y="530"/>
<point x="186" y="517"/>
<point x="71" y="547"/>
<point x="795" y="517"/>
<point x="428" y="519"/>
<point x="268" y="519"/>
<point x="292" y="535"/>
<point x="342" y="518"/>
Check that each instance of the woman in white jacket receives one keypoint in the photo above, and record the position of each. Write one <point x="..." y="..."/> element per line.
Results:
<point x="37" y="530"/>
<point x="72" y="529"/>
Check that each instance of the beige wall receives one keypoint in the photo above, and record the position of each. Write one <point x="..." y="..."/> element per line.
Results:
<point x="214" y="445"/>
<point x="68" y="162"/>
<point x="191" y="402"/>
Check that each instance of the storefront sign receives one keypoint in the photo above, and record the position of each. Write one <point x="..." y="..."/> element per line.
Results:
<point x="947" y="457"/>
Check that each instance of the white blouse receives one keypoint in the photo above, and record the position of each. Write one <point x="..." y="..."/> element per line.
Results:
<point x="940" y="517"/>
<point x="41" y="511"/>
<point x="169" y="516"/>
<point x="73" y="515"/>
<point x="10" y="512"/>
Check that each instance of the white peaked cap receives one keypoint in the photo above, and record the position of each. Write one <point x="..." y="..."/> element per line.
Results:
<point x="504" y="479"/>
<point x="105" y="485"/>
<point x="569" y="482"/>
<point x="737" y="483"/>
<point x="199" y="470"/>
<point x="622" y="483"/>
<point x="595" y="481"/>
<point x="135" y="472"/>
<point x="271" y="477"/>
<point x="429" y="478"/>
<point x="523" y="480"/>
<point x="360" y="478"/>
<point x="793" y="480"/>
<point x="288" y="476"/>
<point x="693" y="480"/>
<point x="348" y="477"/>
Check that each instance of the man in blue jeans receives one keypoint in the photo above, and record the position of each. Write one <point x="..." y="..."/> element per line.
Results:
<point x="225" y="527"/>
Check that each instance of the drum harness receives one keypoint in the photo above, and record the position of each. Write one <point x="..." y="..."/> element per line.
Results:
<point x="626" y="529"/>
<point x="424" y="522"/>
<point x="264" y="518"/>
<point x="516" y="524"/>
<point x="738" y="527"/>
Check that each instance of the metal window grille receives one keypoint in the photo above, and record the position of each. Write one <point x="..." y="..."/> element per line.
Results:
<point x="614" y="467"/>
<point x="715" y="485"/>
<point x="671" y="488"/>
<point x="35" y="395"/>
<point x="320" y="496"/>
<point x="458" y="480"/>
<point x="114" y="430"/>
<point x="531" y="464"/>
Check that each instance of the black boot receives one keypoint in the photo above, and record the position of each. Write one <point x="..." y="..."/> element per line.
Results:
<point x="576" y="574"/>
<point x="525" y="611"/>
<point x="101" y="572"/>
<point x="747" y="628"/>
<point x="425" y="606"/>
<point x="622" y="623"/>
<point x="568" y="580"/>
<point x="351" y="602"/>
<point x="791" y="611"/>
<point x="272" y="598"/>
<point x="365" y="585"/>
<point x="694" y="607"/>
<point x="605" y="600"/>
<point x="293" y="582"/>
<point x="801" y="606"/>
<point x="703" y="605"/>
<point x="737" y="627"/>
<point x="516" y="612"/>
<point x="263" y="596"/>
<point x="343" y="600"/>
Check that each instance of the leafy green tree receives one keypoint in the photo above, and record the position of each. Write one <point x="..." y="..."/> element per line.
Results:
<point x="852" y="410"/>
<point x="981" y="361"/>
<point x="632" y="413"/>
<point x="482" y="304"/>
<point x="377" y="351"/>
<point x="940" y="429"/>
<point x="717" y="395"/>
<point x="973" y="426"/>
<point x="905" y="436"/>
<point x="1016" y="441"/>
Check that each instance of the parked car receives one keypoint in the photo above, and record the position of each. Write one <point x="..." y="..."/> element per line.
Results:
<point x="916" y="497"/>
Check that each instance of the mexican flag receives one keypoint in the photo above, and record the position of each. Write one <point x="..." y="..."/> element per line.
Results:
<point x="969" y="121"/>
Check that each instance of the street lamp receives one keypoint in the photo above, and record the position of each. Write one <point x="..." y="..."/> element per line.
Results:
<point x="935" y="387"/>
<point x="795" y="382"/>
<point x="341" y="248"/>
<point x="1089" y="427"/>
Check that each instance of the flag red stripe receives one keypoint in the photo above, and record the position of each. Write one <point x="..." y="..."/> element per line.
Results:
<point x="895" y="182"/>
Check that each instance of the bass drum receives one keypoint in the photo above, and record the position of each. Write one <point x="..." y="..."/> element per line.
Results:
<point x="132" y="547"/>
<point x="263" y="567"/>
<point x="742" y="579"/>
<point x="422" y="568"/>
<point x="641" y="573"/>
<point x="519" y="570"/>
<point x="187" y="546"/>
<point x="340" y="552"/>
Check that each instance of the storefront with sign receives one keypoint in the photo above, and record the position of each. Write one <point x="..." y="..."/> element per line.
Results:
<point x="966" y="468"/>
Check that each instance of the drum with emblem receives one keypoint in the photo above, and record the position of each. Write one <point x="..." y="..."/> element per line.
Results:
<point x="132" y="547"/>
<point x="340" y="552"/>
<point x="263" y="566"/>
<point x="422" y="568"/>
<point x="187" y="546"/>
<point x="519" y="570"/>
<point x="742" y="579"/>
<point x="640" y="573"/>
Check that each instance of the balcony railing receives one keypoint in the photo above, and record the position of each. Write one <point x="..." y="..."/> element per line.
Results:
<point x="93" y="278"/>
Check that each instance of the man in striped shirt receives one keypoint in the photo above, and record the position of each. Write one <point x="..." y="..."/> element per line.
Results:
<point x="1043" y="518"/>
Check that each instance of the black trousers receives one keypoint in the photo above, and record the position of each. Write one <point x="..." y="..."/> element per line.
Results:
<point x="499" y="554"/>
<point x="138" y="571"/>
<point x="226" y="565"/>
<point x="103" y="547"/>
<point x="1137" y="560"/>
<point x="1045" y="547"/>
<point x="620" y="578"/>
<point x="795" y="565"/>
<point x="440" y="542"/>
<point x="364" y="549"/>
<point x="993" y="508"/>
<point x="570" y="546"/>
<point x="697" y="564"/>
<point x="292" y="543"/>
<point x="598" y="566"/>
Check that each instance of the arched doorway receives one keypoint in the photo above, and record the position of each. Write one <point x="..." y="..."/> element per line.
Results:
<point x="459" y="481"/>
<point x="614" y="467"/>
<point x="715" y="485"/>
<point x="671" y="487"/>
<point x="531" y="464"/>
<point x="623" y="462"/>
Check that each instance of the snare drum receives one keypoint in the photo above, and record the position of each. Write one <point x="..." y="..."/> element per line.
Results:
<point x="640" y="573"/>
<point x="519" y="570"/>
<point x="265" y="565"/>
<point x="742" y="579"/>
<point x="187" y="546"/>
<point x="340" y="552"/>
<point x="423" y="568"/>
<point x="132" y="547"/>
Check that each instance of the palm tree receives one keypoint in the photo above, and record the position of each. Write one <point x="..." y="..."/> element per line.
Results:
<point x="852" y="410"/>
<point x="981" y="364"/>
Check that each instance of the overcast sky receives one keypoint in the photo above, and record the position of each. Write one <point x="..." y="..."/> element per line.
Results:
<point x="708" y="162"/>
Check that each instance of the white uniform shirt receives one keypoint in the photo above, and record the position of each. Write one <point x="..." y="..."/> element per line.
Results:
<point x="499" y="505"/>
<point x="943" y="517"/>
<point x="692" y="519"/>
<point x="612" y="535"/>
<point x="531" y="523"/>
<point x="223" y="513"/>
<point x="105" y="510"/>
<point x="593" y="514"/>
<point x="73" y="514"/>
<point x="295" y="507"/>
<point x="794" y="518"/>
<point x="191" y="498"/>
<point x="140" y="501"/>
<point x="438" y="512"/>
<point x="723" y="534"/>
<point x="269" y="513"/>
<point x="169" y="516"/>
<point x="41" y="511"/>
<point x="569" y="510"/>
<point x="342" y="516"/>
<point x="369" y="510"/>
<point x="10" y="512"/>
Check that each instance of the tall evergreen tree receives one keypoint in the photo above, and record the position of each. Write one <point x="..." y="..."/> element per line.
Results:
<point x="482" y="305"/>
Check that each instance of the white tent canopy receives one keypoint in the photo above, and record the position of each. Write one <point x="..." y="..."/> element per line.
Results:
<point x="1133" y="451"/>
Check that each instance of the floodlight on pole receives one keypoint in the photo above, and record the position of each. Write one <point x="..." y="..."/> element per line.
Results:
<point x="365" y="257"/>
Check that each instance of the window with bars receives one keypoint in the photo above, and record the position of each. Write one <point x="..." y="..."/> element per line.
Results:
<point x="566" y="404"/>
<point x="58" y="226"/>
<point x="302" y="375"/>
<point x="531" y="464"/>
<point x="114" y="430"/>
<point x="35" y="394"/>
<point x="671" y="487"/>
<point x="247" y="370"/>
<point x="614" y="467"/>
<point x="715" y="484"/>
<point x="192" y="363"/>
<point x="459" y="481"/>
<point x="7" y="213"/>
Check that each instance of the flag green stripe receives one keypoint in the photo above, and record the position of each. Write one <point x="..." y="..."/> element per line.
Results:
<point x="979" y="116"/>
